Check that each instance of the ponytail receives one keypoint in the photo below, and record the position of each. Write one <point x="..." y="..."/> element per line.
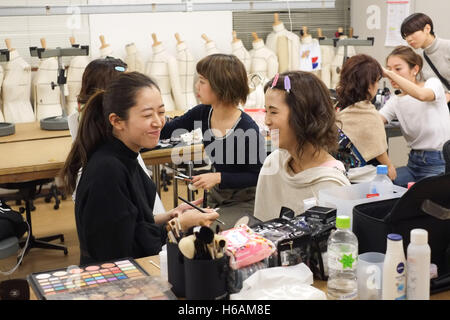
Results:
<point x="93" y="132"/>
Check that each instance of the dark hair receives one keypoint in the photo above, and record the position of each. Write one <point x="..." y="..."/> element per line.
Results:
<point x="415" y="22"/>
<point x="358" y="73"/>
<point x="95" y="127"/>
<point x="97" y="75"/>
<point x="311" y="113"/>
<point x="408" y="55"/>
<point x="227" y="76"/>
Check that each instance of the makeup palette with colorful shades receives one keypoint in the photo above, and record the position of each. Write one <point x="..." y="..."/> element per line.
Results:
<point x="73" y="278"/>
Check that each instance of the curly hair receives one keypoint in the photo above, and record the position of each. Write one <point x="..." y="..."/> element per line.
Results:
<point x="311" y="113"/>
<point x="357" y="75"/>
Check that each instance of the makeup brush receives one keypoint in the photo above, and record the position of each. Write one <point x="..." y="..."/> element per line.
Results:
<point x="207" y="236"/>
<point x="187" y="247"/>
<point x="198" y="208"/>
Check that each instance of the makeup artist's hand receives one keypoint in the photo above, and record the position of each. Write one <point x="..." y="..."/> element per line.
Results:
<point x="193" y="217"/>
<point x="206" y="180"/>
<point x="175" y="212"/>
<point x="386" y="73"/>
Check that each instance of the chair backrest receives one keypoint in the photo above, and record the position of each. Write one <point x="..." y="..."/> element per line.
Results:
<point x="446" y="152"/>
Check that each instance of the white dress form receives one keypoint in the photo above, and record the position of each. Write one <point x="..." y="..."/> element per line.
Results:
<point x="310" y="54"/>
<point x="2" y="119"/>
<point x="133" y="58"/>
<point x="163" y="68"/>
<point x="338" y="60"/>
<point x="238" y="49"/>
<point x="186" y="68"/>
<point x="47" y="101"/>
<point x="210" y="46"/>
<point x="256" y="99"/>
<point x="327" y="52"/>
<point x="264" y="60"/>
<point x="16" y="90"/>
<point x="276" y="42"/>
<point x="105" y="49"/>
<point x="74" y="79"/>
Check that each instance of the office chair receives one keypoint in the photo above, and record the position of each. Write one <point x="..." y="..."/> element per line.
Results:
<point x="27" y="193"/>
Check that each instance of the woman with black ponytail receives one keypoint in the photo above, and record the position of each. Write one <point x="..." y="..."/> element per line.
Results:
<point x="114" y="197"/>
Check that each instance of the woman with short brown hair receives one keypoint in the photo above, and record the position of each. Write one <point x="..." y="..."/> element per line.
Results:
<point x="231" y="138"/>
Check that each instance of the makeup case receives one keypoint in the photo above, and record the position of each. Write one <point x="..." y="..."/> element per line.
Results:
<point x="425" y="205"/>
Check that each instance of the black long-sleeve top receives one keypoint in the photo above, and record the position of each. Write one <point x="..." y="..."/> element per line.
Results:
<point x="238" y="156"/>
<point x="114" y="207"/>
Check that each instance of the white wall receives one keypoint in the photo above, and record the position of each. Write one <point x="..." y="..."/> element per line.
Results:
<point x="438" y="10"/>
<point x="121" y="29"/>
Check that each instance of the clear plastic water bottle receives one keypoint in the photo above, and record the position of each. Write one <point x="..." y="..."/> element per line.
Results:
<point x="381" y="184"/>
<point x="342" y="259"/>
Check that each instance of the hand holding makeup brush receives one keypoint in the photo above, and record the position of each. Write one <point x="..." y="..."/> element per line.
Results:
<point x="175" y="212"/>
<point x="193" y="217"/>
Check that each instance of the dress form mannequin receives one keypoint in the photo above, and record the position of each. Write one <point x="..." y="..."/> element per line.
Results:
<point x="288" y="56"/>
<point x="338" y="60"/>
<point x="163" y="68"/>
<point x="105" y="49"/>
<point x="186" y="67"/>
<point x="264" y="60"/>
<point x="133" y="58"/>
<point x="2" y="119"/>
<point x="47" y="100"/>
<point x="74" y="78"/>
<point x="310" y="55"/>
<point x="210" y="46"/>
<point x="256" y="99"/>
<point x="16" y="88"/>
<point x="327" y="52"/>
<point x="238" y="49"/>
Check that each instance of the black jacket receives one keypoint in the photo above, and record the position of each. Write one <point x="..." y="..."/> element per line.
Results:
<point x="114" y="207"/>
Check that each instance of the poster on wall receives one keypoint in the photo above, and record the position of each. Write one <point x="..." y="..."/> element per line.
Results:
<point x="397" y="11"/>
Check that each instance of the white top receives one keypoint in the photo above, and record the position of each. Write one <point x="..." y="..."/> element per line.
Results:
<point x="278" y="186"/>
<point x="310" y="54"/>
<point x="424" y="125"/>
<point x="238" y="49"/>
<point x="293" y="44"/>
<point x="264" y="60"/>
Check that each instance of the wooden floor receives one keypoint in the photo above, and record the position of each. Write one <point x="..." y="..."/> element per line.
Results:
<point x="45" y="222"/>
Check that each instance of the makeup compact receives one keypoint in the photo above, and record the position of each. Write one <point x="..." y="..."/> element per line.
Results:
<point x="46" y="284"/>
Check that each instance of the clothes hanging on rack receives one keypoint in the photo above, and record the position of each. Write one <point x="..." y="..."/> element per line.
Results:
<point x="238" y="49"/>
<point x="338" y="61"/>
<point x="327" y="53"/>
<point x="16" y="90"/>
<point x="210" y="48"/>
<point x="186" y="67"/>
<point x="74" y="79"/>
<point x="133" y="58"/>
<point x="264" y="60"/>
<point x="310" y="54"/>
<point x="163" y="68"/>
<point x="276" y="45"/>
<point x="47" y="99"/>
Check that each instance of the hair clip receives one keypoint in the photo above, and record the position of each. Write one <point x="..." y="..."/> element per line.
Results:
<point x="287" y="84"/>
<point x="275" y="80"/>
<point x="119" y="68"/>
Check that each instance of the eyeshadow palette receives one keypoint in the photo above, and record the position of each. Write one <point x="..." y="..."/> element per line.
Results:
<point x="73" y="278"/>
<point x="147" y="288"/>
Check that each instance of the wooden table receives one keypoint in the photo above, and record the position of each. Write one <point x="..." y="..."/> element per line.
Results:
<point x="155" y="271"/>
<point x="32" y="131"/>
<point x="33" y="159"/>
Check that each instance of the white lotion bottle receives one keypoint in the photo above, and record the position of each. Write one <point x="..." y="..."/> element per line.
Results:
<point x="418" y="266"/>
<point x="394" y="269"/>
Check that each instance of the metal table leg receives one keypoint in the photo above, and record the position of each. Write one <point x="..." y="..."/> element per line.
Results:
<point x="175" y="188"/>
<point x="156" y="178"/>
